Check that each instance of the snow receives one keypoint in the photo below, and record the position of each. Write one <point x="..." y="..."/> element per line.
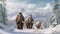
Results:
<point x="7" y="30"/>
<point x="3" y="32"/>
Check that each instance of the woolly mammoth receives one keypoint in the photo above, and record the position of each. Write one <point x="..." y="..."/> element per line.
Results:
<point x="28" y="22"/>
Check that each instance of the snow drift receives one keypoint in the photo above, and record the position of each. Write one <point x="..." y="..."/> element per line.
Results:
<point x="7" y="30"/>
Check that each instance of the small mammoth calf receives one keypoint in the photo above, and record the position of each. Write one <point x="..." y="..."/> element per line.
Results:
<point x="38" y="25"/>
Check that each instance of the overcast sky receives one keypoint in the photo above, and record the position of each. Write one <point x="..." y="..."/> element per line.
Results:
<point x="34" y="7"/>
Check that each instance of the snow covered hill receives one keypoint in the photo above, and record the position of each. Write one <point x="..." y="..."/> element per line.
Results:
<point x="6" y="30"/>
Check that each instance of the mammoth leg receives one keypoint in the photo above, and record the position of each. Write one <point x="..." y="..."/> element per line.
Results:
<point x="31" y="24"/>
<point x="17" y="25"/>
<point x="21" y="25"/>
<point x="27" y="25"/>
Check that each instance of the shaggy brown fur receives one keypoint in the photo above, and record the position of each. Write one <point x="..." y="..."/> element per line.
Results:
<point x="38" y="25"/>
<point x="19" y="23"/>
<point x="29" y="23"/>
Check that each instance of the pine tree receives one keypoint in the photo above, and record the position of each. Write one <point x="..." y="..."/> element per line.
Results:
<point x="3" y="15"/>
<point x="55" y="19"/>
